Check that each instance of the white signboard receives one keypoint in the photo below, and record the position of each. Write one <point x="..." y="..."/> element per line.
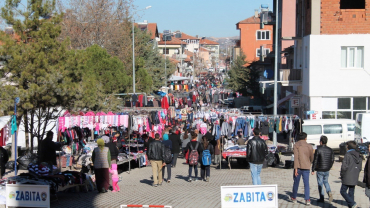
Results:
<point x="295" y="102"/>
<point x="22" y="195"/>
<point x="261" y="196"/>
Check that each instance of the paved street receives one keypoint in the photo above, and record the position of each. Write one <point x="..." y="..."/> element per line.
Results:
<point x="136" y="189"/>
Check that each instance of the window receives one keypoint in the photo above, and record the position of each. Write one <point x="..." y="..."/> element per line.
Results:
<point x="359" y="103"/>
<point x="166" y="51"/>
<point x="344" y="103"/>
<point x="312" y="130"/>
<point x="263" y="35"/>
<point x="350" y="4"/>
<point x="328" y="115"/>
<point x="344" y="115"/>
<point x="258" y="50"/>
<point x="352" y="57"/>
<point x="351" y="127"/>
<point x="333" y="129"/>
<point x="354" y="113"/>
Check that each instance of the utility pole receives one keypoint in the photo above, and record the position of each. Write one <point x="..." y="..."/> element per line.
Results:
<point x="276" y="65"/>
<point x="165" y="61"/>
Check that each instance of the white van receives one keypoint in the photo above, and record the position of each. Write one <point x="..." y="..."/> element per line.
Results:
<point x="362" y="128"/>
<point x="337" y="131"/>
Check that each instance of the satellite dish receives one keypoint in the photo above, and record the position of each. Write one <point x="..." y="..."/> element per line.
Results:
<point x="176" y="51"/>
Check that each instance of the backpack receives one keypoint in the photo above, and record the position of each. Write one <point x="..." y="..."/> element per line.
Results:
<point x="206" y="157"/>
<point x="193" y="156"/>
<point x="167" y="155"/>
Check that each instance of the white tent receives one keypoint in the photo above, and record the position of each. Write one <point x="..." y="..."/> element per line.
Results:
<point x="4" y="120"/>
<point x="177" y="78"/>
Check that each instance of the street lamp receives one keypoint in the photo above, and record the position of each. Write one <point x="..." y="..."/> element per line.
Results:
<point x="133" y="48"/>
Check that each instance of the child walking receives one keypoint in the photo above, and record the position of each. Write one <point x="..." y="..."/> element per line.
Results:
<point x="115" y="177"/>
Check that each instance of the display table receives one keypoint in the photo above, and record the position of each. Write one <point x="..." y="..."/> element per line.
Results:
<point x="237" y="154"/>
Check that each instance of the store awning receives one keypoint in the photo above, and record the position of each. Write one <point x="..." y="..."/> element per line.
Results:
<point x="4" y="120"/>
<point x="177" y="78"/>
<point x="281" y="101"/>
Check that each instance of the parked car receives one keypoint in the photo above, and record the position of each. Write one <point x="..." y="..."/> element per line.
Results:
<point x="362" y="128"/>
<point x="337" y="131"/>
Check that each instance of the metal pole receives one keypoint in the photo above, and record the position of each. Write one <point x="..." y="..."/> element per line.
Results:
<point x="133" y="56"/>
<point x="165" y="62"/>
<point x="276" y="64"/>
<point x="15" y="140"/>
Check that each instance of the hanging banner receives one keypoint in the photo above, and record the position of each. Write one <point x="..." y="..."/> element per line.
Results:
<point x="261" y="196"/>
<point x="22" y="195"/>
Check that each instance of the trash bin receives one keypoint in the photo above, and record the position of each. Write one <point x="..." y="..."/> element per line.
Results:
<point x="343" y="148"/>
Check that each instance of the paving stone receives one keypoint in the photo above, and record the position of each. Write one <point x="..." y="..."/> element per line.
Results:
<point x="136" y="189"/>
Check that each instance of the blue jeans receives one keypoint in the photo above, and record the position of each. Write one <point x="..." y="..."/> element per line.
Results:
<point x="256" y="171"/>
<point x="306" y="182"/>
<point x="350" y="196"/>
<point x="195" y="170"/>
<point x="322" y="179"/>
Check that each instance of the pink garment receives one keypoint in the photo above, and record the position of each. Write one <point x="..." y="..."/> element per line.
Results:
<point x="147" y="125"/>
<point x="115" y="177"/>
<point x="125" y="121"/>
<point x="90" y="113"/>
<point x="61" y="125"/>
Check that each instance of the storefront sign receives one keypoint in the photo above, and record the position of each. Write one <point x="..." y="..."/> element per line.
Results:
<point x="295" y="102"/>
<point x="20" y="195"/>
<point x="262" y="196"/>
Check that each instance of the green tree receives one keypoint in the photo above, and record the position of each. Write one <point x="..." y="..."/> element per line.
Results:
<point x="35" y="66"/>
<point x="237" y="79"/>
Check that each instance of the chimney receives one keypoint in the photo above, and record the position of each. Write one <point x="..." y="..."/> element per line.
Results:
<point x="196" y="36"/>
<point x="256" y="13"/>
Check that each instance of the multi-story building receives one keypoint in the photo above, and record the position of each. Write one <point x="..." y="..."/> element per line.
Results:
<point x="192" y="42"/>
<point x="252" y="37"/>
<point x="213" y="49"/>
<point x="332" y="40"/>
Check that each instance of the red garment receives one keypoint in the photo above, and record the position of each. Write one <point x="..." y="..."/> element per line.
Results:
<point x="164" y="103"/>
<point x="140" y="100"/>
<point x="194" y="98"/>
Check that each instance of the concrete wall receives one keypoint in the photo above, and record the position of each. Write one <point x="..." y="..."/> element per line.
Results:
<point x="326" y="77"/>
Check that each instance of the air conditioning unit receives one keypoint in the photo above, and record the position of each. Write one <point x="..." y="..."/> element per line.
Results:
<point x="178" y="35"/>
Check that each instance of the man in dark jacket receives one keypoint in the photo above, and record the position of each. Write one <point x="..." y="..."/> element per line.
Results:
<point x="367" y="175"/>
<point x="322" y="162"/>
<point x="3" y="160"/>
<point x="156" y="157"/>
<point x="349" y="172"/>
<point x="256" y="153"/>
<point x="48" y="150"/>
<point x="176" y="144"/>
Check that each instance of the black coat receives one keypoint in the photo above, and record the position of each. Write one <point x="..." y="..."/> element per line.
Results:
<point x="351" y="167"/>
<point x="323" y="159"/>
<point x="47" y="151"/>
<point x="176" y="143"/>
<point x="367" y="173"/>
<point x="256" y="150"/>
<point x="156" y="150"/>
<point x="3" y="159"/>
<point x="113" y="150"/>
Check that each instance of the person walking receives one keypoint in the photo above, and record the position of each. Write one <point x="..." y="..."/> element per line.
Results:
<point x="349" y="172"/>
<point x="322" y="162"/>
<point x="176" y="144"/>
<point x="168" y="156"/>
<point x="256" y="153"/>
<point x="206" y="159"/>
<point x="218" y="152"/>
<point x="156" y="158"/>
<point x="185" y="139"/>
<point x="366" y="179"/>
<point x="102" y="162"/>
<point x="303" y="157"/>
<point x="193" y="148"/>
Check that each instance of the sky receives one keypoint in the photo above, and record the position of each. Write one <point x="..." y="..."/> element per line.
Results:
<point x="206" y="18"/>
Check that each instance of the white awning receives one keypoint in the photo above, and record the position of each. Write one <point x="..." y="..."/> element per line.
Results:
<point x="282" y="100"/>
<point x="4" y="120"/>
<point x="177" y="78"/>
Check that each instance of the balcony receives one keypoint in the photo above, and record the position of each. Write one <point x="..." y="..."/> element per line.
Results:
<point x="291" y="77"/>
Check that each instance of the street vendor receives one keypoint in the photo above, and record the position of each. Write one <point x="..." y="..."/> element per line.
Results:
<point x="48" y="150"/>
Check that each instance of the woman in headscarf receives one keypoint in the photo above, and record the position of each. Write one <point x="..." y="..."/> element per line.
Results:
<point x="102" y="162"/>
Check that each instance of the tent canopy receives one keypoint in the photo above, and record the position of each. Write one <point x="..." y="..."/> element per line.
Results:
<point x="177" y="78"/>
<point x="4" y="120"/>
